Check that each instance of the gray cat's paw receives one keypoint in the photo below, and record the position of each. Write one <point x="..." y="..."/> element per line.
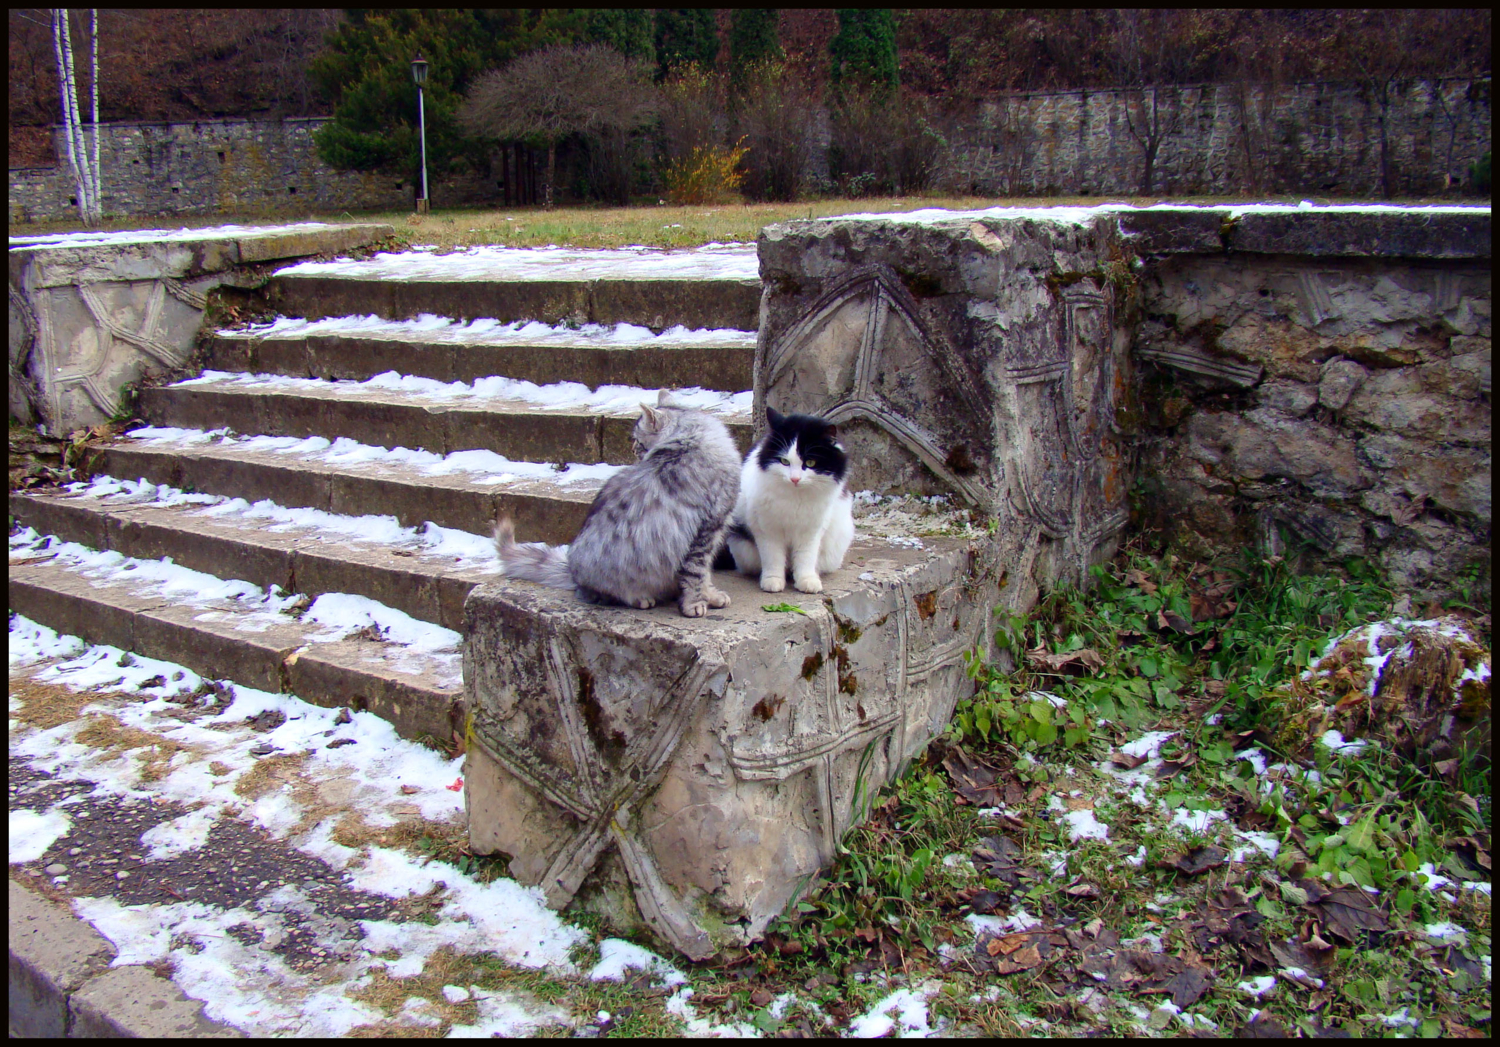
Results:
<point x="716" y="597"/>
<point x="645" y="603"/>
<point x="809" y="584"/>
<point x="694" y="608"/>
<point x="772" y="584"/>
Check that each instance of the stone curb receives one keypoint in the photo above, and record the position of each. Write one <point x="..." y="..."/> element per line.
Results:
<point x="62" y="984"/>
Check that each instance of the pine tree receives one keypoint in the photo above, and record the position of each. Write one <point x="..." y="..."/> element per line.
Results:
<point x="752" y="39"/>
<point x="628" y="30"/>
<point x="685" y="36"/>
<point x="864" y="51"/>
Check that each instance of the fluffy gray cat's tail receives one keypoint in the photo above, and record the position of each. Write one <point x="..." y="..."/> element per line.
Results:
<point x="532" y="562"/>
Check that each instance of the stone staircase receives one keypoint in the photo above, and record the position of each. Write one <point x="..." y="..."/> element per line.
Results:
<point x="251" y="427"/>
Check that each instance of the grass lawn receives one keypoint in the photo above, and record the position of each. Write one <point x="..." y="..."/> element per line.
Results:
<point x="649" y="224"/>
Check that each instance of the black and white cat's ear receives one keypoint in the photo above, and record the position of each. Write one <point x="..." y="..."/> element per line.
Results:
<point x="833" y="431"/>
<point x="774" y="418"/>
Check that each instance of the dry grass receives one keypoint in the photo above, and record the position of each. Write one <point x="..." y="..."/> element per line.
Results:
<point x="652" y="225"/>
<point x="106" y="733"/>
<point x="48" y="705"/>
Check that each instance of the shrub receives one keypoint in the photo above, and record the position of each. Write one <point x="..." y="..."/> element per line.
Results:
<point x="773" y="111"/>
<point x="709" y="174"/>
<point x="884" y="144"/>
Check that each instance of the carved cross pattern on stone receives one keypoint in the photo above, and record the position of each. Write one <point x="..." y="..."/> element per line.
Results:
<point x="603" y="804"/>
<point x="1064" y="515"/>
<point x="889" y="303"/>
<point x="817" y="751"/>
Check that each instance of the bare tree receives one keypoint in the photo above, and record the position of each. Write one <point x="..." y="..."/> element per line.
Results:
<point x="558" y="91"/>
<point x="84" y="174"/>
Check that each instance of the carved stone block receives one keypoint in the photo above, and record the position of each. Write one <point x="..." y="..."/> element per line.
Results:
<point x="693" y="775"/>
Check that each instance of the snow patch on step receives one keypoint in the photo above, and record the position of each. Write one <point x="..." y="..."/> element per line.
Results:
<point x="455" y="548"/>
<point x="483" y="467"/>
<point x="713" y="261"/>
<point x="430" y="328"/>
<point x="413" y="646"/>
<point x="490" y="392"/>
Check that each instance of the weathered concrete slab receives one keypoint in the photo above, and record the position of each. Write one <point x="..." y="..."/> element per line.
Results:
<point x="91" y="313"/>
<point x="51" y="956"/>
<point x="691" y="775"/>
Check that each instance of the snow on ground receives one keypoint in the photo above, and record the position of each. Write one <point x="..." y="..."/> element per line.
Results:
<point x="482" y="467"/>
<point x="617" y="956"/>
<point x="146" y="236"/>
<point x="240" y="984"/>
<point x="492" y="392"/>
<point x="429" y="328"/>
<point x="709" y="262"/>
<point x="1081" y="215"/>
<point x="903" y="1012"/>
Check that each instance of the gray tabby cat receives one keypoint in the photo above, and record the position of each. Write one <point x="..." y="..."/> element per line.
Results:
<point x="655" y="526"/>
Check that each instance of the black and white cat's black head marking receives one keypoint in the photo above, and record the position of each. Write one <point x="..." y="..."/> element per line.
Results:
<point x="803" y="449"/>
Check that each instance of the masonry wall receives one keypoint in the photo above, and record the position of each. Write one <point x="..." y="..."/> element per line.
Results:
<point x="1320" y="384"/>
<point x="220" y="166"/>
<point x="1318" y="138"/>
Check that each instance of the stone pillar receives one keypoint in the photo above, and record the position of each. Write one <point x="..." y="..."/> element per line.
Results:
<point x="981" y="356"/>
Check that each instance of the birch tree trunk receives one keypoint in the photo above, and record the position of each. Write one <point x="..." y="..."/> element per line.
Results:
<point x="72" y="122"/>
<point x="94" y="84"/>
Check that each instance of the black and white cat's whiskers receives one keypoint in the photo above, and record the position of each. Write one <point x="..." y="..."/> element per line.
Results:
<point x="794" y="510"/>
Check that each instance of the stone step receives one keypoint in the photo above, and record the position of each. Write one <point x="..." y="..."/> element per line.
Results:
<point x="363" y="483"/>
<point x="418" y="692"/>
<point x="264" y="550"/>
<point x="713" y="360"/>
<point x="389" y="417"/>
<point x="657" y="289"/>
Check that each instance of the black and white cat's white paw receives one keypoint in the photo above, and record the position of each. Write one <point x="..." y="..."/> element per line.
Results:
<point x="808" y="583"/>
<point x="772" y="583"/>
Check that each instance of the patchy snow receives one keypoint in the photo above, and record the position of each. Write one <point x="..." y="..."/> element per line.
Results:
<point x="1045" y="696"/>
<point x="491" y="393"/>
<point x="1258" y="988"/>
<point x="1335" y="741"/>
<point x="617" y="956"/>
<point x="1255" y="758"/>
<point x="1196" y="821"/>
<point x="1147" y="745"/>
<point x="1445" y="931"/>
<point x="149" y="236"/>
<point x="387" y="779"/>
<point x="432" y="329"/>
<point x="738" y="262"/>
<point x="1083" y="215"/>
<point x="903" y="1012"/>
<point x="1019" y="920"/>
<point x="32" y="832"/>
<point x="481" y="467"/>
<point x="1082" y="825"/>
<point x="1256" y="842"/>
<point x="677" y="1004"/>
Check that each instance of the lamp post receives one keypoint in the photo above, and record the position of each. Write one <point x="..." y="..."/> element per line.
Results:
<point x="419" y="75"/>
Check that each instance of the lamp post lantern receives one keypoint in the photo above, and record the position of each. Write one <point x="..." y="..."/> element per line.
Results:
<point x="419" y="76"/>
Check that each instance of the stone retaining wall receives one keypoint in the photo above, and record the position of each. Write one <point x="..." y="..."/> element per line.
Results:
<point x="1316" y="138"/>
<point x="227" y="166"/>
<point x="1323" y="377"/>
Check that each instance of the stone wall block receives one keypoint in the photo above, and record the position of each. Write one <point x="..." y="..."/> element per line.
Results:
<point x="1337" y="382"/>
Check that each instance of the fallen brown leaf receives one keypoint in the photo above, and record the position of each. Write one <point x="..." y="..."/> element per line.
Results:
<point x="1082" y="890"/>
<point x="1125" y="760"/>
<point x="1136" y="577"/>
<point x="1348" y="912"/>
<point x="1177" y="623"/>
<point x="1085" y="658"/>
<point x="1197" y="860"/>
<point x="761" y="997"/>
<point x="1021" y="960"/>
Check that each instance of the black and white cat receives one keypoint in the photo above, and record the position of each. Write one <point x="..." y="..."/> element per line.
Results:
<point x="793" y="509"/>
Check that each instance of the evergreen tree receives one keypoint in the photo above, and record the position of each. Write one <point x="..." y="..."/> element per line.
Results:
<point x="685" y="36"/>
<point x="864" y="51"/>
<point x="628" y="30"/>
<point x="752" y="39"/>
<point x="366" y="68"/>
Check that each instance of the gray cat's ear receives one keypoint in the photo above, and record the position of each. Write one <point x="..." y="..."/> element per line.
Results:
<point x="663" y="398"/>
<point x="649" y="413"/>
